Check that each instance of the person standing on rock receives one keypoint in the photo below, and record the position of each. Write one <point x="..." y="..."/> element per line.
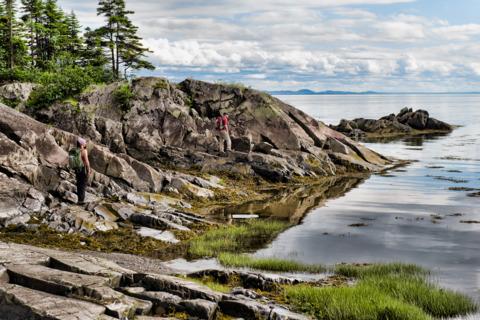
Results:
<point x="222" y="127"/>
<point x="78" y="160"/>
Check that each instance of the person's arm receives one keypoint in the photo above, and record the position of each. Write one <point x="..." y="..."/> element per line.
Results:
<point x="86" y="163"/>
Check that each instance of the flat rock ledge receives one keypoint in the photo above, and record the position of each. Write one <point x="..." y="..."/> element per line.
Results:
<point x="37" y="283"/>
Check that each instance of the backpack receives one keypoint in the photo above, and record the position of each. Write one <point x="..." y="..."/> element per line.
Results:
<point x="220" y="123"/>
<point x="74" y="159"/>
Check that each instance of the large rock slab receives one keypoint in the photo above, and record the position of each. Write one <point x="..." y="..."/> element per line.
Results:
<point x="182" y="288"/>
<point x="17" y="302"/>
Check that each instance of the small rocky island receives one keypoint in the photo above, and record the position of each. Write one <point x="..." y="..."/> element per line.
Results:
<point x="406" y="122"/>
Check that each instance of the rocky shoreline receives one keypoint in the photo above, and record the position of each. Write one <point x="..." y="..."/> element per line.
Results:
<point x="406" y="123"/>
<point x="50" y="284"/>
<point x="155" y="167"/>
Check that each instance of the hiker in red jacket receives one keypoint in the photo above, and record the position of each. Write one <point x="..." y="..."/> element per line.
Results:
<point x="223" y="130"/>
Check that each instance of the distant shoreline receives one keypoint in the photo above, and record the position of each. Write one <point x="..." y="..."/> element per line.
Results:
<point x="325" y="93"/>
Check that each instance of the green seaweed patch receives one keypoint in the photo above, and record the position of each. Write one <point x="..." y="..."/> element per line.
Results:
<point x="122" y="240"/>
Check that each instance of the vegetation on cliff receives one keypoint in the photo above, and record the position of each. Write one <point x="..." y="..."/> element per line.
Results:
<point x="40" y="43"/>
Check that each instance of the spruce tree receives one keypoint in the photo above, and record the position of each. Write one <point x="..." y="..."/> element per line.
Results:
<point x="93" y="53"/>
<point x="121" y="39"/>
<point x="11" y="36"/>
<point x="107" y="32"/>
<point x="33" y="10"/>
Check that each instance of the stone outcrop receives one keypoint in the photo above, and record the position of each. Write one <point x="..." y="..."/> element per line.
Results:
<point x="406" y="122"/>
<point x="174" y="124"/>
<point x="53" y="285"/>
<point x="168" y="125"/>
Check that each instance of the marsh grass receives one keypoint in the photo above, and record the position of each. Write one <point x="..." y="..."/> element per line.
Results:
<point x="212" y="284"/>
<point x="390" y="291"/>
<point x="235" y="238"/>
<point x="345" y="303"/>
<point x="416" y="290"/>
<point x="367" y="270"/>
<point x="267" y="264"/>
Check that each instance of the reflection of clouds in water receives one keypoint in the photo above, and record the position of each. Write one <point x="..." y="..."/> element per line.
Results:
<point x="448" y="246"/>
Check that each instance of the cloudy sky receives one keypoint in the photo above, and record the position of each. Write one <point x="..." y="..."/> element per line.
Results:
<point x="383" y="45"/>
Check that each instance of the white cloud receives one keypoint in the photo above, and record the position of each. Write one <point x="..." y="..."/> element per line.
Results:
<point x="301" y="43"/>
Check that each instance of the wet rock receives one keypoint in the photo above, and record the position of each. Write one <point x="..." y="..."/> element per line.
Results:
<point x="200" y="308"/>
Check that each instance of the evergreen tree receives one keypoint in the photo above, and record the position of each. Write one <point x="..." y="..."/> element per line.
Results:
<point x="51" y="35"/>
<point x="132" y="51"/>
<point x="11" y="36"/>
<point x="33" y="10"/>
<point x="93" y="53"/>
<point x="120" y="38"/>
<point x="71" y="41"/>
<point x="107" y="32"/>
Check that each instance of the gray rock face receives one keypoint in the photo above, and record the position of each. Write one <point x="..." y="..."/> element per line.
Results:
<point x="16" y="94"/>
<point x="405" y="122"/>
<point x="175" y="124"/>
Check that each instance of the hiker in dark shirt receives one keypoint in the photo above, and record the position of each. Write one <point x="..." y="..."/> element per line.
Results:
<point x="78" y="159"/>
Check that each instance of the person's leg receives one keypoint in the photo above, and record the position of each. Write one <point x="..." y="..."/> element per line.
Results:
<point x="221" y="141"/>
<point x="81" y="185"/>
<point x="229" y="141"/>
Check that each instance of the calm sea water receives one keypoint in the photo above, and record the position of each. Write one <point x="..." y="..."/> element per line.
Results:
<point x="411" y="216"/>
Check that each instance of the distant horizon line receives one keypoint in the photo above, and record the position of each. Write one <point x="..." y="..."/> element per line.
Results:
<point x="340" y="92"/>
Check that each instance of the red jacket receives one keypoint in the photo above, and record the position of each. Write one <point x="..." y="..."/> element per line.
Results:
<point x="222" y="123"/>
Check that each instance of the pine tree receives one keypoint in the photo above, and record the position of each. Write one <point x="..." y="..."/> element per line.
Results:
<point x="51" y="35"/>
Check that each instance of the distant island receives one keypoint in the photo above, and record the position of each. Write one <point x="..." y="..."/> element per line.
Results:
<point x="333" y="92"/>
<point x="311" y="92"/>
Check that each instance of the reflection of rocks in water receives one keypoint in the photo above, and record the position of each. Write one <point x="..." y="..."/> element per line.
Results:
<point x="294" y="203"/>
<point x="410" y="141"/>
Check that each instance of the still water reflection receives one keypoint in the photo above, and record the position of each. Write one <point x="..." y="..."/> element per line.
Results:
<point x="411" y="215"/>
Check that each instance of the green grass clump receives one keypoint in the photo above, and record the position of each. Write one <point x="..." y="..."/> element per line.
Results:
<point x="347" y="303"/>
<point x="268" y="264"/>
<point x="235" y="238"/>
<point x="416" y="290"/>
<point x="215" y="286"/>
<point x="362" y="271"/>
<point x="392" y="291"/>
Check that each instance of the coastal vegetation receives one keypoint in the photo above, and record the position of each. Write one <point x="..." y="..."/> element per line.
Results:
<point x="235" y="238"/>
<point x="41" y="43"/>
<point x="267" y="264"/>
